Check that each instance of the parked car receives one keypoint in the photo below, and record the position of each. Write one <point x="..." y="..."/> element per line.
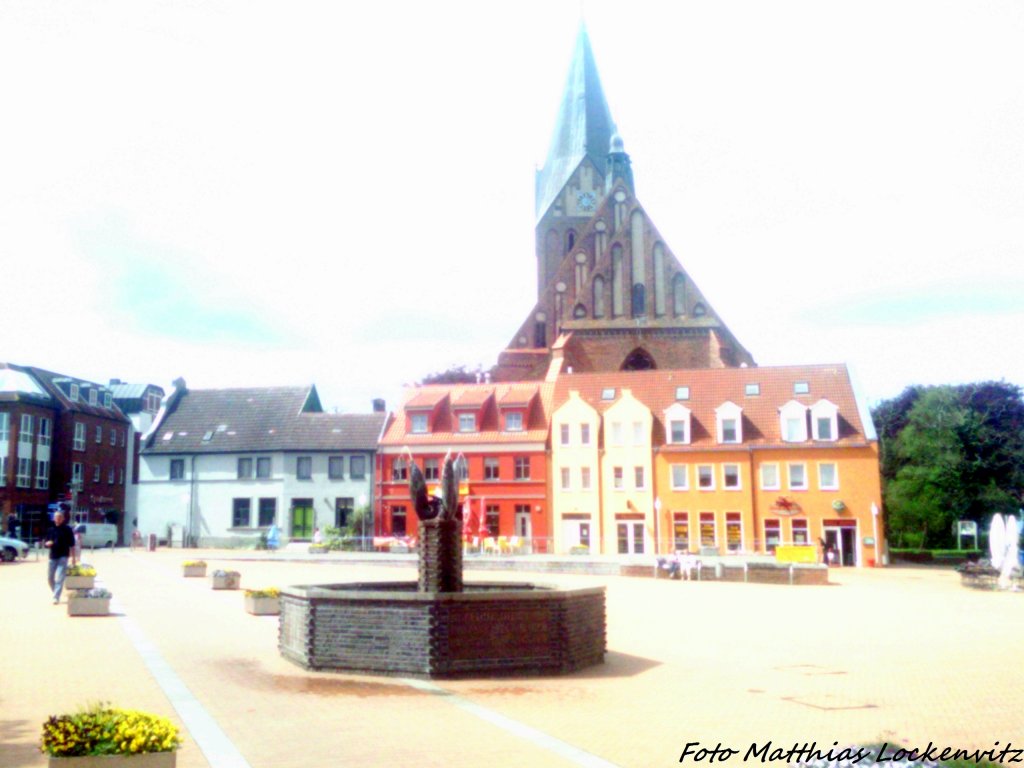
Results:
<point x="11" y="548"/>
<point x="97" y="534"/>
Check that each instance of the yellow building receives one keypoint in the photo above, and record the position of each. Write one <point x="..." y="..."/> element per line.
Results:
<point x="738" y="461"/>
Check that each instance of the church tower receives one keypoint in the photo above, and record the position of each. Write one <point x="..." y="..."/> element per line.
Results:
<point x="611" y="295"/>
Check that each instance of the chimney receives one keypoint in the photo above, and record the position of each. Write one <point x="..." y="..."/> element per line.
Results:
<point x="115" y="382"/>
<point x="179" y="383"/>
<point x="378" y="405"/>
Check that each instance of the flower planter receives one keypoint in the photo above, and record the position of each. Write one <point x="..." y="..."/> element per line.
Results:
<point x="88" y="606"/>
<point x="79" y="582"/>
<point x="263" y="606"/>
<point x="142" y="760"/>
<point x="191" y="571"/>
<point x="229" y="580"/>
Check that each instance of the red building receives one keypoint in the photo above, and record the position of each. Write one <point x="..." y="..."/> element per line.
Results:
<point x="499" y="432"/>
<point x="61" y="439"/>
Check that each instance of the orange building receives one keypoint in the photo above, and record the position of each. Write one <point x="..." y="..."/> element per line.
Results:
<point x="744" y="460"/>
<point x="499" y="431"/>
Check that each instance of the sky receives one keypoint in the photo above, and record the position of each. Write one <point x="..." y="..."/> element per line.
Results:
<point x="267" y="193"/>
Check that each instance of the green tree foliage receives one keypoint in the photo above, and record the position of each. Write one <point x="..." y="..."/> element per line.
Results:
<point x="949" y="453"/>
<point x="458" y="374"/>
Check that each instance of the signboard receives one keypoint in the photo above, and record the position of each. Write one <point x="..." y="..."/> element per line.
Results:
<point x="967" y="527"/>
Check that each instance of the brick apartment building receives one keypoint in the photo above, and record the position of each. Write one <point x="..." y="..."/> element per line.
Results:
<point x="62" y="439"/>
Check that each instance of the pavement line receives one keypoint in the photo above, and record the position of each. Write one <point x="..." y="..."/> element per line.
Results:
<point x="212" y="741"/>
<point x="528" y="733"/>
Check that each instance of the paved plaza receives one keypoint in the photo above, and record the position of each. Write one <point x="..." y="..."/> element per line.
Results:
<point x="904" y="655"/>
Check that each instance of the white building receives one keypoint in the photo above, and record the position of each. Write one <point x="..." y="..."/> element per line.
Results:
<point x="140" y="403"/>
<point x="223" y="465"/>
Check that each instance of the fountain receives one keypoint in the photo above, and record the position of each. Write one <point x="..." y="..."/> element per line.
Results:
<point x="440" y="627"/>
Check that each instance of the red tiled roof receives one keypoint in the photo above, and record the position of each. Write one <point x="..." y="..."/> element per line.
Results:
<point x="710" y="387"/>
<point x="518" y="395"/>
<point x="490" y="428"/>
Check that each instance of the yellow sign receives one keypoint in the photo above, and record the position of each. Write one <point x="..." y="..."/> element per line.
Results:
<point x="796" y="553"/>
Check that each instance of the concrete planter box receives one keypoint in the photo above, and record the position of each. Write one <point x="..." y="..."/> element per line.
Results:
<point x="193" y="571"/>
<point x="263" y="606"/>
<point x="144" y="760"/>
<point x="88" y="606"/>
<point x="79" y="582"/>
<point x="229" y="580"/>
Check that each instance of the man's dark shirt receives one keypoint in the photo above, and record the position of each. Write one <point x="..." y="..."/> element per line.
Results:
<point x="63" y="540"/>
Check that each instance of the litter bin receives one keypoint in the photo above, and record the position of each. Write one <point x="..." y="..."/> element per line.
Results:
<point x="151" y="545"/>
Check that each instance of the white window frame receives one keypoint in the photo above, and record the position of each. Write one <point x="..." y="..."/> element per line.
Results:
<point x="419" y="423"/>
<point x="565" y="483"/>
<point x="563" y="434"/>
<point x="677" y="413"/>
<point x="79" y="441"/>
<point x="638" y="433"/>
<point x="99" y="434"/>
<point x="111" y="475"/>
<point x="42" y="473"/>
<point x="778" y="477"/>
<point x="77" y="471"/>
<point x="616" y="433"/>
<point x="73" y="393"/>
<point x="25" y="432"/>
<point x="739" y="478"/>
<point x="789" y="475"/>
<point x="674" y="471"/>
<point x="299" y="461"/>
<point x="44" y="437"/>
<point x="793" y="411"/>
<point x="514" y="421"/>
<point x="618" y="479"/>
<point x="492" y="465"/>
<point x="467" y="422"/>
<point x="5" y="426"/>
<point x="711" y="475"/>
<point x="834" y="486"/>
<point x="23" y="477"/>
<point x="94" y="397"/>
<point x="729" y="411"/>
<point x="96" y="471"/>
<point x="640" y="474"/>
<point x="107" y="399"/>
<point x="113" y="437"/>
<point x="586" y="483"/>
<point x="823" y="409"/>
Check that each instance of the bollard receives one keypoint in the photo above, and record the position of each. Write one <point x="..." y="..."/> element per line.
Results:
<point x="151" y="545"/>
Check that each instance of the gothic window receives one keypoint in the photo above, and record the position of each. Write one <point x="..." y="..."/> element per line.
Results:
<point x="598" y="296"/>
<point x="552" y="255"/>
<point x="639" y="300"/>
<point x="579" y="311"/>
<point x="699" y="310"/>
<point x="638" y="360"/>
<point x="617" y="277"/>
<point x="570" y="240"/>
<point x="540" y="335"/>
<point x="659" y="279"/>
<point x="679" y="294"/>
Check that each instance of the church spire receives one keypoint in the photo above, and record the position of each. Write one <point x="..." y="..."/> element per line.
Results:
<point x="583" y="129"/>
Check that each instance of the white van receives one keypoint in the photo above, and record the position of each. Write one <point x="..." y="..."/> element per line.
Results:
<point x="97" y="534"/>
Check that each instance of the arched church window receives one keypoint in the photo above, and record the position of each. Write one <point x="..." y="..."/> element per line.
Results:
<point x="699" y="310"/>
<point x="617" y="280"/>
<point x="599" y="296"/>
<point x="679" y="294"/>
<point x="638" y="360"/>
<point x="570" y="240"/>
<point x="659" y="279"/>
<point x="639" y="300"/>
<point x="579" y="311"/>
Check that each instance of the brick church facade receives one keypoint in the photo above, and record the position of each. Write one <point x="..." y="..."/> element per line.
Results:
<point x="611" y="294"/>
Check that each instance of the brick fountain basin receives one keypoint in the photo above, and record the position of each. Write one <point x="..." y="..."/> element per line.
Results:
<point x="488" y="629"/>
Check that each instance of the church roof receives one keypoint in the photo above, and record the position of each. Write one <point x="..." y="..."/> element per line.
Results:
<point x="583" y="129"/>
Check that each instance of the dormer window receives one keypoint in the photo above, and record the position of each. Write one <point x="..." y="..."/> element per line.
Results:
<point x="825" y="421"/>
<point x="418" y="423"/>
<point x="94" y="397"/>
<point x="677" y="424"/>
<point x="793" y="422"/>
<point x="106" y="400"/>
<point x="467" y="422"/>
<point x="729" y="420"/>
<point x="74" y="393"/>
<point x="514" y="422"/>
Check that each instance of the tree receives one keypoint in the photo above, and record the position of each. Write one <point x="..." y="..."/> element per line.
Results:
<point x="950" y="453"/>
<point x="457" y="374"/>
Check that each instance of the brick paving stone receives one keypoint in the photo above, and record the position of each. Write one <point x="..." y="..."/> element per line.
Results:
<point x="905" y="655"/>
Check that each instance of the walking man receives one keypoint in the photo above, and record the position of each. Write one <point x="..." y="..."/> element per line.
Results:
<point x="61" y="542"/>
